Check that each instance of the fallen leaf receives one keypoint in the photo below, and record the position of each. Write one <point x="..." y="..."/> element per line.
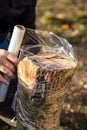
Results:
<point x="60" y="16"/>
<point x="65" y="27"/>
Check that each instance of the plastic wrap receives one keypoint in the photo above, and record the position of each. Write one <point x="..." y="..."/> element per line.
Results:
<point x="44" y="72"/>
<point x="14" y="46"/>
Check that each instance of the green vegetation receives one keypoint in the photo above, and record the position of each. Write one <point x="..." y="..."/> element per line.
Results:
<point x="67" y="18"/>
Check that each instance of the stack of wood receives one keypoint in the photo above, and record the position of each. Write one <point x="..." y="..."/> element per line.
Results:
<point x="43" y="84"/>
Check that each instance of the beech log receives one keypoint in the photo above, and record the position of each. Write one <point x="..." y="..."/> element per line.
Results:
<point x="43" y="82"/>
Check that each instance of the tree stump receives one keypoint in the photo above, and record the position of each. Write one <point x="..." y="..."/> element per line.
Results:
<point x="42" y="86"/>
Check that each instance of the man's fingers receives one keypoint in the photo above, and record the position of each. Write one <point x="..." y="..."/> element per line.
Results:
<point x="13" y="59"/>
<point x="9" y="65"/>
<point x="6" y="71"/>
<point x="9" y="56"/>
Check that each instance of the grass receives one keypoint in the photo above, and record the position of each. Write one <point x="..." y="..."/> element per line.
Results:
<point x="73" y="23"/>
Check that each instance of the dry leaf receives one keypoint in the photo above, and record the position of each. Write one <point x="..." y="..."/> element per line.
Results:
<point x="65" y="27"/>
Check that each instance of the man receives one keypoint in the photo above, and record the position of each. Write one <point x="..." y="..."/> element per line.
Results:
<point x="12" y="12"/>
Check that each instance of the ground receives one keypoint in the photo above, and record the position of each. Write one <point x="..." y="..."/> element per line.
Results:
<point x="68" y="18"/>
<point x="74" y="114"/>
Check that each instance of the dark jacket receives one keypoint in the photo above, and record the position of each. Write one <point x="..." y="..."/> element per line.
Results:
<point x="14" y="12"/>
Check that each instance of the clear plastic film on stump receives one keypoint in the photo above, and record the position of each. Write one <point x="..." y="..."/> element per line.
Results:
<point x="47" y="64"/>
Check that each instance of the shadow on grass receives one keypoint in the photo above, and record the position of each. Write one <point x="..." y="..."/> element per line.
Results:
<point x="74" y="121"/>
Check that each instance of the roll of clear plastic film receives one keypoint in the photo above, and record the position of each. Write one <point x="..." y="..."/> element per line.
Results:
<point x="14" y="46"/>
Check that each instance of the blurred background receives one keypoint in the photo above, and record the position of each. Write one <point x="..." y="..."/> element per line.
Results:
<point x="68" y="18"/>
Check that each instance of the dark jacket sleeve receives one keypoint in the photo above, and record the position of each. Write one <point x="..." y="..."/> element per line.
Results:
<point x="29" y="15"/>
<point x="16" y="12"/>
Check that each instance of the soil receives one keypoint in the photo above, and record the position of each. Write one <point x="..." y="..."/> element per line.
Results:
<point x="74" y="114"/>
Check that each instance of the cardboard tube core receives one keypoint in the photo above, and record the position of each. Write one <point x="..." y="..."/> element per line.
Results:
<point x="20" y="27"/>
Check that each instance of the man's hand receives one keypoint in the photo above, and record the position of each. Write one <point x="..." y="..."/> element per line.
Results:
<point x="8" y="63"/>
